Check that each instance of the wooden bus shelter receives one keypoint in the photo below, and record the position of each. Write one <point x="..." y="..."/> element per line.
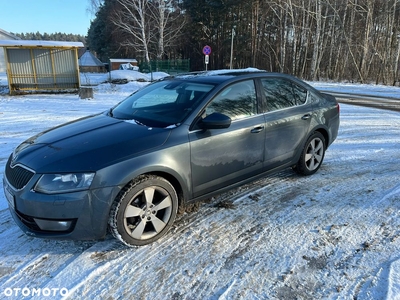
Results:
<point x="41" y="65"/>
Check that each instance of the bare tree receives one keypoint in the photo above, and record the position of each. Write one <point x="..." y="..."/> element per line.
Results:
<point x="131" y="18"/>
<point x="93" y="6"/>
<point x="151" y="26"/>
<point x="317" y="40"/>
<point x="337" y="39"/>
<point x="366" y="10"/>
<point x="165" y="15"/>
<point x="389" y="46"/>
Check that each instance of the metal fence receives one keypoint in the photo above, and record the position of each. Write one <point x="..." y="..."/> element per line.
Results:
<point x="171" y="66"/>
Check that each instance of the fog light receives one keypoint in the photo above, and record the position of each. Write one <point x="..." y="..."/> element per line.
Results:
<point x="52" y="225"/>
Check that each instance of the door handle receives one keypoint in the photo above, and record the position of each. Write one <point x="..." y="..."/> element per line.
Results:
<point x="257" y="129"/>
<point x="306" y="117"/>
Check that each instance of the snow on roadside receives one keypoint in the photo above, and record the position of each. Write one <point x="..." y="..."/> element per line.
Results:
<point x="332" y="235"/>
<point x="127" y="75"/>
<point x="359" y="89"/>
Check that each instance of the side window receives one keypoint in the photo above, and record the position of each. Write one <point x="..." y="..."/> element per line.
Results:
<point x="281" y="93"/>
<point x="300" y="94"/>
<point x="237" y="101"/>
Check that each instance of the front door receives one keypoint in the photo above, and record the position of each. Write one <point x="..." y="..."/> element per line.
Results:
<point x="220" y="157"/>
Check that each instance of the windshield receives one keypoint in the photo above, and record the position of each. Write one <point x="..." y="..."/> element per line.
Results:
<point x="162" y="104"/>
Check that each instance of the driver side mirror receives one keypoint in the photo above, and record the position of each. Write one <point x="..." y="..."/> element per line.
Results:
<point x="215" y="121"/>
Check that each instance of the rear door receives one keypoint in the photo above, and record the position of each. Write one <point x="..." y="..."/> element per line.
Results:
<point x="287" y="119"/>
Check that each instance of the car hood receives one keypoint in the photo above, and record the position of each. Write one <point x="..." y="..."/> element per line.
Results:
<point x="87" y="144"/>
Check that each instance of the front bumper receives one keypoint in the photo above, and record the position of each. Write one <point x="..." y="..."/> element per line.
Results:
<point x="79" y="215"/>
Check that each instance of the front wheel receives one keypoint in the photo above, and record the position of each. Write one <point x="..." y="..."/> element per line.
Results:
<point x="144" y="211"/>
<point x="312" y="155"/>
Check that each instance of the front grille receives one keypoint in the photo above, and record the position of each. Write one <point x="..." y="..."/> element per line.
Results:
<point x="17" y="176"/>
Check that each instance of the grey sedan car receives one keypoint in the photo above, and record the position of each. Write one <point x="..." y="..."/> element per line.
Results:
<point x="177" y="141"/>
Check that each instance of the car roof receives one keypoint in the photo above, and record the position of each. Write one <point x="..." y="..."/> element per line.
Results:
<point x="216" y="76"/>
<point x="220" y="76"/>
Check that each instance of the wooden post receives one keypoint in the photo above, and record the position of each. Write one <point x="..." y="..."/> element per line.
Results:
<point x="85" y="92"/>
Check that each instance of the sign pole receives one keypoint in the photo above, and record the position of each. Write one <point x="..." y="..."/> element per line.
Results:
<point x="206" y="52"/>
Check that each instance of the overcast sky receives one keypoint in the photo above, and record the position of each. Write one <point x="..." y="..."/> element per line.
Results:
<point x="51" y="16"/>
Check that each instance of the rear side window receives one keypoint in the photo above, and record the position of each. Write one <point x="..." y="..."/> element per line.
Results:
<point x="237" y="101"/>
<point x="300" y="94"/>
<point x="282" y="93"/>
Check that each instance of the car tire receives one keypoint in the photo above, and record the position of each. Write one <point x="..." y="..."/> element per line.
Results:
<point x="144" y="211"/>
<point x="312" y="155"/>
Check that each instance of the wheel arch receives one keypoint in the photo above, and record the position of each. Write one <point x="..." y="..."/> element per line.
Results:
<point x="324" y="133"/>
<point x="310" y="161"/>
<point x="178" y="186"/>
<point x="175" y="183"/>
<point x="138" y="220"/>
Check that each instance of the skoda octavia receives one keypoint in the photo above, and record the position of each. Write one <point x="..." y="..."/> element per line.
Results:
<point x="174" y="142"/>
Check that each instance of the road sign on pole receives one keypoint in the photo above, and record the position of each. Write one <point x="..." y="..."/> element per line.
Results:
<point x="206" y="50"/>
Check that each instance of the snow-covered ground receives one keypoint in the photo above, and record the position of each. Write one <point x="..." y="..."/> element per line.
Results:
<point x="359" y="89"/>
<point x="333" y="235"/>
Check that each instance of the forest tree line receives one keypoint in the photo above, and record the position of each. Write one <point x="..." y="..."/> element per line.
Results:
<point x="58" y="36"/>
<point x="355" y="40"/>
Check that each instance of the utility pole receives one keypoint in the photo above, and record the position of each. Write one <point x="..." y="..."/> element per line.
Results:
<point x="233" y="34"/>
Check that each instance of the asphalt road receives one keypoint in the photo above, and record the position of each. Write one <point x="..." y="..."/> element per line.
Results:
<point x="367" y="100"/>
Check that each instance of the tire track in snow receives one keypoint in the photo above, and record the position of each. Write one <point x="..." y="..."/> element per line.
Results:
<point x="32" y="263"/>
<point x="214" y="231"/>
<point x="139" y="254"/>
<point x="169" y="247"/>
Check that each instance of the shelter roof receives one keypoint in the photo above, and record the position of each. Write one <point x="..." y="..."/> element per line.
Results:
<point x="44" y="44"/>
<point x="123" y="60"/>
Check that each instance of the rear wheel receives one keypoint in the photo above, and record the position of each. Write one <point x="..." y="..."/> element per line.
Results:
<point x="144" y="211"/>
<point x="312" y="155"/>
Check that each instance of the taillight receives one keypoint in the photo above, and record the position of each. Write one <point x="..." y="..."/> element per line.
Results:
<point x="338" y="108"/>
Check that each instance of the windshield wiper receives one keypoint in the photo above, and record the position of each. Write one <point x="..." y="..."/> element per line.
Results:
<point x="139" y="123"/>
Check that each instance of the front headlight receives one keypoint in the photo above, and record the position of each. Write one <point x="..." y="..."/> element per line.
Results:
<point x="63" y="183"/>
